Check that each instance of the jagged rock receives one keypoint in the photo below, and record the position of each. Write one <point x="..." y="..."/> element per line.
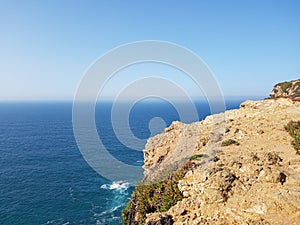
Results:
<point x="289" y="89"/>
<point x="163" y="220"/>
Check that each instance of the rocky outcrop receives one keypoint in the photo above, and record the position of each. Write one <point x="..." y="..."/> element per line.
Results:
<point x="252" y="178"/>
<point x="237" y="167"/>
<point x="286" y="89"/>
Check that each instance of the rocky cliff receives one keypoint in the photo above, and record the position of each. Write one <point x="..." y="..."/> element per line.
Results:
<point x="245" y="169"/>
<point x="290" y="89"/>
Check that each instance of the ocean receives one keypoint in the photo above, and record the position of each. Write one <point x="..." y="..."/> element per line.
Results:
<point x="43" y="176"/>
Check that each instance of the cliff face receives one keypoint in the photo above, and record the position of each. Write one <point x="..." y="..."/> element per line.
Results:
<point x="251" y="174"/>
<point x="254" y="177"/>
<point x="289" y="89"/>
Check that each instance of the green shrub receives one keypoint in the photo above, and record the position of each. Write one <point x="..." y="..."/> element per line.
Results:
<point x="229" y="142"/>
<point x="125" y="212"/>
<point x="158" y="197"/>
<point x="285" y="85"/>
<point x="198" y="157"/>
<point x="293" y="127"/>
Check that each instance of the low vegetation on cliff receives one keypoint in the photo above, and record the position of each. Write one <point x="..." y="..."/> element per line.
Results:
<point x="229" y="142"/>
<point x="157" y="197"/>
<point x="293" y="127"/>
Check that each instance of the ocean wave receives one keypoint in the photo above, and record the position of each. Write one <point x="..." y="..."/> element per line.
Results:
<point x="117" y="185"/>
<point x="110" y="211"/>
<point x="109" y="216"/>
<point x="57" y="221"/>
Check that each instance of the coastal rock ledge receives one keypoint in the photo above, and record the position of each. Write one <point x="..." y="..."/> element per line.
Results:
<point x="254" y="177"/>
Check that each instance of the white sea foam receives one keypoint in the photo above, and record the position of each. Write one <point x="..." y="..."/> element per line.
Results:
<point x="110" y="214"/>
<point x="58" y="221"/>
<point x="110" y="211"/>
<point x="117" y="185"/>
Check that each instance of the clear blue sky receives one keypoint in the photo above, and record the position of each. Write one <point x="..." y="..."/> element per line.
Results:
<point x="46" y="46"/>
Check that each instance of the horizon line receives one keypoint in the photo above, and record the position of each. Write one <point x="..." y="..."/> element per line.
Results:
<point x="193" y="98"/>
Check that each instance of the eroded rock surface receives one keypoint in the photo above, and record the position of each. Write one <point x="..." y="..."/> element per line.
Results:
<point x="255" y="181"/>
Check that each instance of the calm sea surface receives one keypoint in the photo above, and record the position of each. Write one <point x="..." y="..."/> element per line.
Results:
<point x="44" y="178"/>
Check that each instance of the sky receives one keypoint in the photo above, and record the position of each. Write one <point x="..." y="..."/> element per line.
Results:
<point x="46" y="47"/>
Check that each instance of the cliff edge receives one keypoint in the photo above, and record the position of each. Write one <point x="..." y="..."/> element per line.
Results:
<point x="246" y="168"/>
<point x="289" y="89"/>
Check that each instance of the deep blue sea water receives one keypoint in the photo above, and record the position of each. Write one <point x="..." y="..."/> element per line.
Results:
<point x="43" y="176"/>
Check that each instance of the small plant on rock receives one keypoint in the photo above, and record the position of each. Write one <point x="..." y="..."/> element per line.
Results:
<point x="293" y="127"/>
<point x="198" y="157"/>
<point x="229" y="142"/>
